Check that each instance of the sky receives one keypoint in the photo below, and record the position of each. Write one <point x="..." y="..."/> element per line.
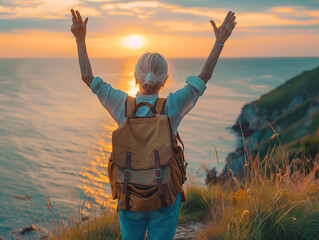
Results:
<point x="174" y="28"/>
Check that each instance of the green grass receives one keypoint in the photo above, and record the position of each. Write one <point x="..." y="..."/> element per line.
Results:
<point x="196" y="207"/>
<point x="291" y="117"/>
<point x="291" y="136"/>
<point x="304" y="83"/>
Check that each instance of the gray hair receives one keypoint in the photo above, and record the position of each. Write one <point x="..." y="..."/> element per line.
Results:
<point x="151" y="71"/>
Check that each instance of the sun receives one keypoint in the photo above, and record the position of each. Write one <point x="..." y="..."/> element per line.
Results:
<point x="134" y="41"/>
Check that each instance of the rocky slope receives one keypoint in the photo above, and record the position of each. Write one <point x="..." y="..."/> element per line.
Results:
<point x="292" y="110"/>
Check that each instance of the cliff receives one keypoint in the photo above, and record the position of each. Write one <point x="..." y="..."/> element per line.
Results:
<point x="292" y="110"/>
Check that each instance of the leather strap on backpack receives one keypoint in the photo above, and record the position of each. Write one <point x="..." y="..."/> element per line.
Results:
<point x="126" y="177"/>
<point x="158" y="177"/>
<point x="130" y="103"/>
<point x="141" y="104"/>
<point x="180" y="140"/>
<point x="159" y="105"/>
<point x="159" y="108"/>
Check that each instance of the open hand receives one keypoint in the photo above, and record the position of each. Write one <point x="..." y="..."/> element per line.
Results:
<point x="78" y="27"/>
<point x="224" y="31"/>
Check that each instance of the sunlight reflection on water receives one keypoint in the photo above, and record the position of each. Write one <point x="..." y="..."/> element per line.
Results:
<point x="95" y="182"/>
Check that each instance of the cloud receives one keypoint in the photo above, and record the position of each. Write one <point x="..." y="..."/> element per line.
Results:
<point x="172" y="16"/>
<point x="176" y="26"/>
<point x="44" y="9"/>
<point x="242" y="5"/>
<point x="100" y="1"/>
<point x="296" y="12"/>
<point x="128" y="13"/>
<point x="12" y="24"/>
<point x="182" y="20"/>
<point x="265" y="76"/>
<point x="259" y="88"/>
<point x="137" y="4"/>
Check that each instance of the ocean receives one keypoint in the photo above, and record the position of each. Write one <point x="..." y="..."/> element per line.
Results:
<point x="55" y="136"/>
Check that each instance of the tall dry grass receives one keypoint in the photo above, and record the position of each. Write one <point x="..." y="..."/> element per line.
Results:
<point x="277" y="198"/>
<point x="85" y="226"/>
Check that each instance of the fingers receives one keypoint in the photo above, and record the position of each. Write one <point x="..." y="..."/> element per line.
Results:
<point x="74" y="19"/>
<point x="86" y="21"/>
<point x="79" y="16"/>
<point x="214" y="25"/>
<point x="226" y="18"/>
<point x="234" y="26"/>
<point x="230" y="21"/>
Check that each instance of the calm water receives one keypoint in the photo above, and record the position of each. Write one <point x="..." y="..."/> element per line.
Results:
<point x="55" y="135"/>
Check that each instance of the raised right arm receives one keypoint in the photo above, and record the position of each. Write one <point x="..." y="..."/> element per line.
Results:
<point x="78" y="29"/>
<point x="113" y="100"/>
<point x="222" y="33"/>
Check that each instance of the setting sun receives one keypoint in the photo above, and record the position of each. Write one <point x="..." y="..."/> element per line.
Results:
<point x="133" y="41"/>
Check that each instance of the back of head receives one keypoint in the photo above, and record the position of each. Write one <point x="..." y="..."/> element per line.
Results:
<point x="151" y="71"/>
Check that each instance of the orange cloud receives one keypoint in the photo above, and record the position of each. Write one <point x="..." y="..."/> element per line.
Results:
<point x="133" y="6"/>
<point x="176" y="26"/>
<point x="250" y="19"/>
<point x="130" y="5"/>
<point x="141" y="9"/>
<point x="269" y="19"/>
<point x="47" y="9"/>
<point x="120" y="13"/>
<point x="295" y="11"/>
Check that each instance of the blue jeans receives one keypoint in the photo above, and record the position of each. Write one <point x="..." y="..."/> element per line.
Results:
<point x="161" y="222"/>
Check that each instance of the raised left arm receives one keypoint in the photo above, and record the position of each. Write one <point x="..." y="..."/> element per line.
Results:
<point x="78" y="29"/>
<point x="222" y="34"/>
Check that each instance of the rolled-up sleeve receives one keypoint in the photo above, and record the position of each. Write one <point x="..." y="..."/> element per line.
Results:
<point x="113" y="100"/>
<point x="179" y="103"/>
<point x="196" y="83"/>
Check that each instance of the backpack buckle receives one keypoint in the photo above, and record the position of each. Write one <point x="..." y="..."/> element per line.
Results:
<point x="158" y="173"/>
<point x="127" y="174"/>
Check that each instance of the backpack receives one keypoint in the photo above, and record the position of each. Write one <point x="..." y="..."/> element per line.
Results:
<point x="146" y="168"/>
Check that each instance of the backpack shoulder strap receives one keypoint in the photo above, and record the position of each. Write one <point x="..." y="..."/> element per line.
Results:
<point x="180" y="140"/>
<point x="159" y="105"/>
<point x="130" y="103"/>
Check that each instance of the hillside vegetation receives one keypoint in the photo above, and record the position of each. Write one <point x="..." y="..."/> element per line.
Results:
<point x="289" y="113"/>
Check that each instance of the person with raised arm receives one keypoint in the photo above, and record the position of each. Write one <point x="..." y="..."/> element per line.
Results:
<point x="150" y="74"/>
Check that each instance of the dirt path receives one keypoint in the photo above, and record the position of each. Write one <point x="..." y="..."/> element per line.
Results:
<point x="187" y="231"/>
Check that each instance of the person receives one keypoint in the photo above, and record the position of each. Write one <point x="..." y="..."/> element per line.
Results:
<point x="151" y="74"/>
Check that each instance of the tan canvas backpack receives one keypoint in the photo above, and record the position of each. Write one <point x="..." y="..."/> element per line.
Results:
<point x="147" y="168"/>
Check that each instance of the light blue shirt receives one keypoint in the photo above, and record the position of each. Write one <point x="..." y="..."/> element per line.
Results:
<point x="178" y="104"/>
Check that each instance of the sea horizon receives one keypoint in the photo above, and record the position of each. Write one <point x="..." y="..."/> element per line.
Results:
<point x="221" y="57"/>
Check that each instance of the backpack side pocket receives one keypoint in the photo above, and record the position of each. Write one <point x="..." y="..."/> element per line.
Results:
<point x="178" y="165"/>
<point x="112" y="179"/>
